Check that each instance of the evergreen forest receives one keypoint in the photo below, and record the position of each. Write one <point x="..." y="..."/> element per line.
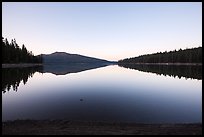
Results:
<point x="193" y="55"/>
<point x="12" y="53"/>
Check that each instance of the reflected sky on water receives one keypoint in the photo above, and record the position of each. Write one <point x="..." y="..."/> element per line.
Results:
<point x="110" y="93"/>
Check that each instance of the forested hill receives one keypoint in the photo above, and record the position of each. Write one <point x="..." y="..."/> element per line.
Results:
<point x="12" y="53"/>
<point x="193" y="55"/>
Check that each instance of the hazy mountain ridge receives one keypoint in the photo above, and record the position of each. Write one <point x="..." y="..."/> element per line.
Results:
<point x="63" y="57"/>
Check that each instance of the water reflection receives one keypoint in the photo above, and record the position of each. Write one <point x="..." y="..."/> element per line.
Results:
<point x="193" y="72"/>
<point x="110" y="93"/>
<point x="11" y="77"/>
<point x="63" y="69"/>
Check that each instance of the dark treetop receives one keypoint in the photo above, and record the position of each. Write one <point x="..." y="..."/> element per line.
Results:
<point x="193" y="55"/>
<point x="12" y="53"/>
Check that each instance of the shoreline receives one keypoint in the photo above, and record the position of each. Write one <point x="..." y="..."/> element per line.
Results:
<point x="20" y="65"/>
<point x="68" y="127"/>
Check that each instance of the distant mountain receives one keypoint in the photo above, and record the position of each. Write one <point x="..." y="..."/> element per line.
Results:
<point x="66" y="58"/>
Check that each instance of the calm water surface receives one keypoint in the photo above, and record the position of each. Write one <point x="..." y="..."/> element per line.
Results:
<point x="110" y="93"/>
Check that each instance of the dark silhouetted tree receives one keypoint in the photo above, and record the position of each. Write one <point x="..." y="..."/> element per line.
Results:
<point x="12" y="53"/>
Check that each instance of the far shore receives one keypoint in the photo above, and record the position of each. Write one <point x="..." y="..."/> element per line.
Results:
<point x="20" y="65"/>
<point x="176" y="64"/>
<point x="40" y="64"/>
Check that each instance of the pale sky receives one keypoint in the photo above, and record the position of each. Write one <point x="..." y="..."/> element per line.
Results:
<point x="110" y="31"/>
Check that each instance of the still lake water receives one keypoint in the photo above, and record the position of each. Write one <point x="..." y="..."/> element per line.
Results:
<point x="110" y="93"/>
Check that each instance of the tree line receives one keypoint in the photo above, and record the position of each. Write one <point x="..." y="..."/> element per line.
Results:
<point x="193" y="55"/>
<point x="12" y="53"/>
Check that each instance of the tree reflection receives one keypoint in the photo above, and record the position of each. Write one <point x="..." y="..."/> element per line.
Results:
<point x="11" y="77"/>
<point x="187" y="71"/>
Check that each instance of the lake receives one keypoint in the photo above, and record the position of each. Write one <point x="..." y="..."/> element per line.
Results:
<point x="104" y="93"/>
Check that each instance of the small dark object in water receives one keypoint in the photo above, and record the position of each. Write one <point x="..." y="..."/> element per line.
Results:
<point x="81" y="99"/>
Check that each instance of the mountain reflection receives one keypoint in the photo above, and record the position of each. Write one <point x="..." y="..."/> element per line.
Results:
<point x="11" y="77"/>
<point x="189" y="71"/>
<point x="63" y="69"/>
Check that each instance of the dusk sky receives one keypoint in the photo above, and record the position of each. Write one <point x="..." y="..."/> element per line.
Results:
<point x="110" y="31"/>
